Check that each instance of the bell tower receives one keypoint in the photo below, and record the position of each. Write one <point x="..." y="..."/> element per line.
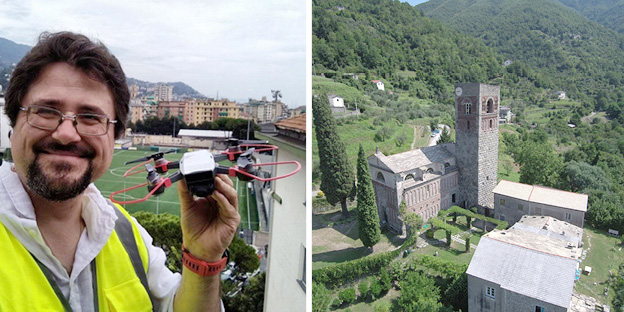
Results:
<point x="476" y="123"/>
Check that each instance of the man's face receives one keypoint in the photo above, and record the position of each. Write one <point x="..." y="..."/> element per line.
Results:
<point x="59" y="164"/>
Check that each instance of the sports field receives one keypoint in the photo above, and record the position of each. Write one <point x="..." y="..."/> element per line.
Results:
<point x="168" y="201"/>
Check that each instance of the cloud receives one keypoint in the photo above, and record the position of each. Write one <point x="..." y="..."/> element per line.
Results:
<point x="241" y="49"/>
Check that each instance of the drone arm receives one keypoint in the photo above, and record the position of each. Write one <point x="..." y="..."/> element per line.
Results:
<point x="220" y="157"/>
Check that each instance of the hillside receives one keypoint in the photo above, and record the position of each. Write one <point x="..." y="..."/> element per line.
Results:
<point x="394" y="42"/>
<point x="567" y="51"/>
<point x="606" y="12"/>
<point x="179" y="88"/>
<point x="11" y="53"/>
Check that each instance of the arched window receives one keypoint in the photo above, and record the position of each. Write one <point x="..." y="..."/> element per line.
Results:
<point x="429" y="170"/>
<point x="380" y="177"/>
<point x="468" y="125"/>
<point x="446" y="165"/>
<point x="408" y="177"/>
<point x="490" y="106"/>
<point x="490" y="123"/>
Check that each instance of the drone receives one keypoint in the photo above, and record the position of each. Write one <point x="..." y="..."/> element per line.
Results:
<point x="199" y="169"/>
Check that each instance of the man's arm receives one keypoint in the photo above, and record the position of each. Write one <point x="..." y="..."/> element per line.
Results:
<point x="208" y="226"/>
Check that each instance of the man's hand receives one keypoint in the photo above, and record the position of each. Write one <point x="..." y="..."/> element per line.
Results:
<point x="209" y="223"/>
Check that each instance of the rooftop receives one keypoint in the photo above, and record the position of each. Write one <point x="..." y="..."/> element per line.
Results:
<point x="550" y="227"/>
<point x="297" y="123"/>
<point x="546" y="277"/>
<point x="416" y="158"/>
<point x="204" y="133"/>
<point x="542" y="195"/>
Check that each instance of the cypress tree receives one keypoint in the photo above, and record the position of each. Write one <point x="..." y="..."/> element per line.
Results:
<point x="368" y="218"/>
<point x="336" y="172"/>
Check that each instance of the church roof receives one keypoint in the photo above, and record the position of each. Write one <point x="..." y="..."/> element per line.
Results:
<point x="416" y="158"/>
<point x="542" y="195"/>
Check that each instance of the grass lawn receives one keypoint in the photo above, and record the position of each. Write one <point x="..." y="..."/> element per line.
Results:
<point x="168" y="201"/>
<point x="354" y="132"/>
<point x="339" y="243"/>
<point x="604" y="254"/>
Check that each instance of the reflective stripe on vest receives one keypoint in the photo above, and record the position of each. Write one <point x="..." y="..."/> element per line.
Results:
<point x="24" y="287"/>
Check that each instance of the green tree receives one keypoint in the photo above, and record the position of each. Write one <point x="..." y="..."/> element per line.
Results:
<point x="414" y="221"/>
<point x="445" y="137"/>
<point x="336" y="173"/>
<point x="166" y="232"/>
<point x="250" y="299"/>
<point x="539" y="164"/>
<point x="244" y="256"/>
<point x="368" y="218"/>
<point x="418" y="294"/>
<point x="581" y="176"/>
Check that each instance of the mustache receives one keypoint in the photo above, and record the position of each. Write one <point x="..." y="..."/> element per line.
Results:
<point x="51" y="147"/>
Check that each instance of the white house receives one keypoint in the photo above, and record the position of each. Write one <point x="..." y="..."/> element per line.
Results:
<point x="336" y="103"/>
<point x="560" y="95"/>
<point x="379" y="83"/>
<point x="504" y="115"/>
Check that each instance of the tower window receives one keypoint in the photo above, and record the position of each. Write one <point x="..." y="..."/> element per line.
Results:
<point x="490" y="123"/>
<point x="468" y="125"/>
<point x="468" y="106"/>
<point x="490" y="106"/>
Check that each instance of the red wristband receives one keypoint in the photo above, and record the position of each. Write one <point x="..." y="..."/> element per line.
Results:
<point x="202" y="267"/>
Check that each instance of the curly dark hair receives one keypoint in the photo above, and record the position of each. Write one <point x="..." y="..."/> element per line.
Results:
<point x="76" y="50"/>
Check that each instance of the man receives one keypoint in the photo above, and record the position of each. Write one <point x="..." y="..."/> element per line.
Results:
<point x="65" y="247"/>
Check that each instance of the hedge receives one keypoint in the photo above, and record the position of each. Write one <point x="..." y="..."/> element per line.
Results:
<point x="501" y="225"/>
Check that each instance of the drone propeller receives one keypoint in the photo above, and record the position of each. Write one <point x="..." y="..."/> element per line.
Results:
<point x="198" y="169"/>
<point x="154" y="156"/>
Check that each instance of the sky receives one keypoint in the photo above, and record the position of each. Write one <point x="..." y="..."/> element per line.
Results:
<point x="414" y="2"/>
<point x="234" y="49"/>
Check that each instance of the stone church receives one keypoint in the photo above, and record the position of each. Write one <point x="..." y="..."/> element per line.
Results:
<point x="437" y="177"/>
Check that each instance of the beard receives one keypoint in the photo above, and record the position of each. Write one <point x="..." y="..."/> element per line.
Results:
<point x="58" y="187"/>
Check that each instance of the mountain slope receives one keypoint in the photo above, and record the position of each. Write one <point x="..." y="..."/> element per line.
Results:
<point x="11" y="52"/>
<point x="569" y="51"/>
<point x="393" y="41"/>
<point x="606" y="12"/>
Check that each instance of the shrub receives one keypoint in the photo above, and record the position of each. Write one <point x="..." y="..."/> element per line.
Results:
<point x="363" y="289"/>
<point x="321" y="297"/>
<point x="336" y="303"/>
<point x="385" y="281"/>
<point x="375" y="289"/>
<point x="320" y="194"/>
<point x="347" y="296"/>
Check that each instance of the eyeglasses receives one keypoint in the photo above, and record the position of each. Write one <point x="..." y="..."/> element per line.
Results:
<point x="47" y="118"/>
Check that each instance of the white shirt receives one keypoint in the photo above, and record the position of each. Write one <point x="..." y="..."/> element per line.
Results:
<point x="18" y="216"/>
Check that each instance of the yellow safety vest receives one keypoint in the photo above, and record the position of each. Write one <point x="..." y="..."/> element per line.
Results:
<point x="25" y="287"/>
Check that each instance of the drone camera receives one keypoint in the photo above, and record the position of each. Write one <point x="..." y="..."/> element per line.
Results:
<point x="198" y="169"/>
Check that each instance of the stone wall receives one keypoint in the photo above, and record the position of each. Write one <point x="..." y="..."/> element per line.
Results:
<point x="478" y="301"/>
<point x="427" y="199"/>
<point x="509" y="208"/>
<point x="477" y="143"/>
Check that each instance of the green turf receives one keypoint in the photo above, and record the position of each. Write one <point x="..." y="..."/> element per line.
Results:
<point x="168" y="201"/>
